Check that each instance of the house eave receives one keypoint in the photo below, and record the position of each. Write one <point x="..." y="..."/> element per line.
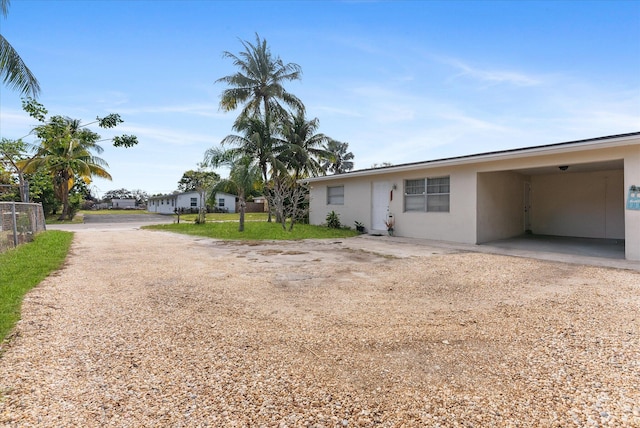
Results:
<point x="557" y="148"/>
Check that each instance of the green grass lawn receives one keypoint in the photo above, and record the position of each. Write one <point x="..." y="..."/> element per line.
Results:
<point x="215" y="217"/>
<point x="254" y="230"/>
<point x="187" y="218"/>
<point x="24" y="267"/>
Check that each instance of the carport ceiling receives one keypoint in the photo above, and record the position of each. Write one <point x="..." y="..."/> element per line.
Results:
<point x="580" y="167"/>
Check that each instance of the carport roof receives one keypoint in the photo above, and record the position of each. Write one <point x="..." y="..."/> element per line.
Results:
<point x="591" y="143"/>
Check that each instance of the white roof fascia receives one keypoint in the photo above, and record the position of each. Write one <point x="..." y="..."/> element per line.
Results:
<point x="596" y="144"/>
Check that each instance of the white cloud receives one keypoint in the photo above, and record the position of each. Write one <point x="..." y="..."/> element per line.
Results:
<point x="15" y="124"/>
<point x="202" y="109"/>
<point x="492" y="76"/>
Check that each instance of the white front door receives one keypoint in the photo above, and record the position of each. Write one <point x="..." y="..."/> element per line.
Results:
<point x="380" y="204"/>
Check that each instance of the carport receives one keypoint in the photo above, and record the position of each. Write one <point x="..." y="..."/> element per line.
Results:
<point x="570" y="208"/>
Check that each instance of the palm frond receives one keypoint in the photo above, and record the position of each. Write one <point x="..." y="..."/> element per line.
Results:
<point x="14" y="72"/>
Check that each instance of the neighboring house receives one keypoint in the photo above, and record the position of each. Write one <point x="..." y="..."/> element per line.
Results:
<point x="188" y="201"/>
<point x="588" y="188"/>
<point x="123" y="203"/>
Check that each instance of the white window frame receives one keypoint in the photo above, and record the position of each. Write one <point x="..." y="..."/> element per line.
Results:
<point x="221" y="202"/>
<point x="194" y="202"/>
<point x="431" y="194"/>
<point x="335" y="195"/>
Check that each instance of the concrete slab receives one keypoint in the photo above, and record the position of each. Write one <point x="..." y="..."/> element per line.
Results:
<point x="567" y="250"/>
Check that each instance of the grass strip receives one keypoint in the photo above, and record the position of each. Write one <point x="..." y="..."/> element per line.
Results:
<point x="24" y="267"/>
<point x="254" y="231"/>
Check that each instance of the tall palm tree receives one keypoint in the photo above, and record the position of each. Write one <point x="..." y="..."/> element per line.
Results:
<point x="339" y="160"/>
<point x="13" y="71"/>
<point x="258" y="84"/>
<point x="65" y="152"/>
<point x="304" y="147"/>
<point x="244" y="176"/>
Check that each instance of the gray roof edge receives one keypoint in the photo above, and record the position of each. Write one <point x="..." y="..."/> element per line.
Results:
<point x="170" y="195"/>
<point x="587" y="143"/>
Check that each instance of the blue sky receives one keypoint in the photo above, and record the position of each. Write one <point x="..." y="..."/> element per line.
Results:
<point x="400" y="81"/>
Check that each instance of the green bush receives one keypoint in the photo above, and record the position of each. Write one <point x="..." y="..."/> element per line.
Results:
<point x="333" y="220"/>
<point x="75" y="203"/>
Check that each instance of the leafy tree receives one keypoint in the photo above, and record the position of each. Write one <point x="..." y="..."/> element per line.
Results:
<point x="381" y="165"/>
<point x="244" y="177"/>
<point x="66" y="150"/>
<point x="39" y="112"/>
<point x="41" y="191"/>
<point x="117" y="194"/>
<point x="199" y="181"/>
<point x="13" y="71"/>
<point x="192" y="181"/>
<point x="258" y="83"/>
<point x="12" y="157"/>
<point x="140" y="196"/>
<point x="8" y="187"/>
<point x="339" y="160"/>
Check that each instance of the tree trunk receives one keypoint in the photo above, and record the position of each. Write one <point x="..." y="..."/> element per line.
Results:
<point x="24" y="190"/>
<point x="242" y="206"/>
<point x="64" y="198"/>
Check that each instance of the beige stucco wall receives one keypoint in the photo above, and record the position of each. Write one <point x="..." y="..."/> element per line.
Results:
<point x="632" y="217"/>
<point x="486" y="200"/>
<point x="458" y="225"/>
<point x="356" y="207"/>
<point x="500" y="205"/>
<point x="589" y="205"/>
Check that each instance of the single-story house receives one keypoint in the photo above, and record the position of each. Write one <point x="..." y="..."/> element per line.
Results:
<point x="189" y="201"/>
<point x="587" y="188"/>
<point x="119" y="203"/>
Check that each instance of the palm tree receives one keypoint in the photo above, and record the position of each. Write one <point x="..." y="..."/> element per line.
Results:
<point x="257" y="141"/>
<point x="258" y="84"/>
<point x="65" y="152"/>
<point x="13" y="71"/>
<point x="304" y="148"/>
<point x="339" y="160"/>
<point x="244" y="176"/>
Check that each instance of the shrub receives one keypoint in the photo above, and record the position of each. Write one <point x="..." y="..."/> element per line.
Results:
<point x="333" y="220"/>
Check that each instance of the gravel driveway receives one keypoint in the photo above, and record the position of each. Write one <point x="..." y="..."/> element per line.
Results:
<point x="151" y="329"/>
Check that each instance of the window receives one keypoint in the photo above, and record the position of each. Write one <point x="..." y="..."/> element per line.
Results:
<point x="335" y="195"/>
<point x="221" y="202"/>
<point x="194" y="202"/>
<point x="414" y="195"/>
<point x="430" y="194"/>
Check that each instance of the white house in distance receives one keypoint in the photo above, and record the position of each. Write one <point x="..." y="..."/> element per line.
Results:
<point x="167" y="204"/>
<point x="588" y="188"/>
<point x="118" y="203"/>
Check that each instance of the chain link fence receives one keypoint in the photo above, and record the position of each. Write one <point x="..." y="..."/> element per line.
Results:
<point x="19" y="223"/>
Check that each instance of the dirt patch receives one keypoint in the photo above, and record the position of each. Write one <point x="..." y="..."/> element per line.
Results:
<point x="149" y="328"/>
